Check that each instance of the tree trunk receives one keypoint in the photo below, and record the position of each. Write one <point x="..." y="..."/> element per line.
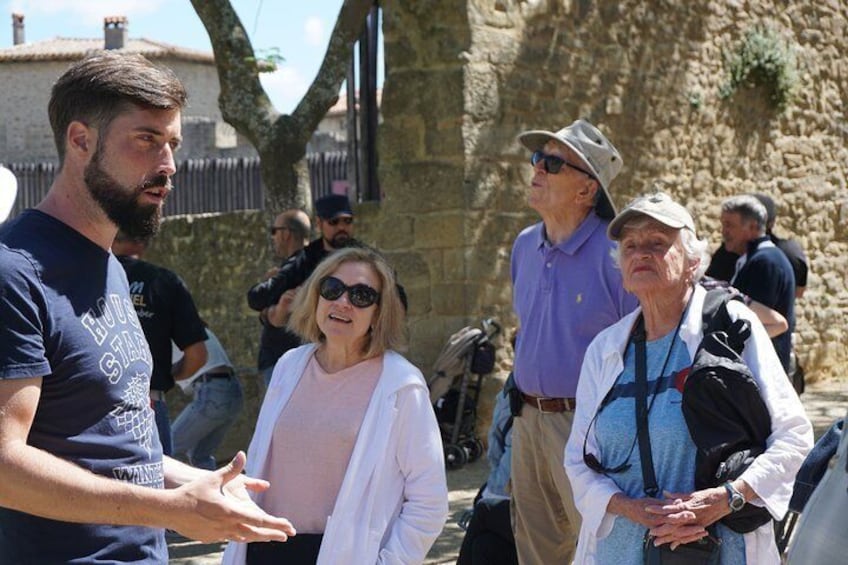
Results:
<point x="279" y="139"/>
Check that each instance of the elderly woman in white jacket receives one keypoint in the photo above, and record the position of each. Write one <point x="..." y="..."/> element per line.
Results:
<point x="661" y="261"/>
<point x="346" y="434"/>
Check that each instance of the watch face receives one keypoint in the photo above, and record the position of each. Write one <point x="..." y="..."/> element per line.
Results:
<point x="737" y="501"/>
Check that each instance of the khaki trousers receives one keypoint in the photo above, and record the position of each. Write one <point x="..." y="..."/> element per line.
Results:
<point x="544" y="518"/>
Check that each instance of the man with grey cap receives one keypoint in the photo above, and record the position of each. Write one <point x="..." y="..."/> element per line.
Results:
<point x="566" y="289"/>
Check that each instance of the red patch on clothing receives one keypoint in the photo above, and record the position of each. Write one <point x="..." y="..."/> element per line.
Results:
<point x="680" y="379"/>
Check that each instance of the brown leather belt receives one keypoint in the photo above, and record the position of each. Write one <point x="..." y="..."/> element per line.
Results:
<point x="211" y="375"/>
<point x="550" y="404"/>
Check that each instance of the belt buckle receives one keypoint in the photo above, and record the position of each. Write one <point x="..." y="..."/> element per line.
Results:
<point x="539" y="401"/>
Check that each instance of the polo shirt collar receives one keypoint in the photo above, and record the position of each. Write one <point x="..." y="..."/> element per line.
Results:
<point x="754" y="244"/>
<point x="576" y="240"/>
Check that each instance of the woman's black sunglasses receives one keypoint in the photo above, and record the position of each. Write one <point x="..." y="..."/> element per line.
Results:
<point x="360" y="295"/>
<point x="554" y="164"/>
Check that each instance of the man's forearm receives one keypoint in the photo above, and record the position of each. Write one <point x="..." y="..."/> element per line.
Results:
<point x="178" y="473"/>
<point x="36" y="482"/>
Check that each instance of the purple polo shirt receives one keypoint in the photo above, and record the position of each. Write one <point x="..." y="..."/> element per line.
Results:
<point x="563" y="296"/>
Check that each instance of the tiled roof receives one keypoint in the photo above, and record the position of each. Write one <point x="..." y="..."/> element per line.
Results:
<point x="69" y="49"/>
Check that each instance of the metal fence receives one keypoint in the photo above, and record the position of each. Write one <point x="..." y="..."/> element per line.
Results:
<point x="201" y="185"/>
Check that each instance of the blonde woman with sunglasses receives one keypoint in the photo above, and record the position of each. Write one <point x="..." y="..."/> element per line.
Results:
<point x="346" y="434"/>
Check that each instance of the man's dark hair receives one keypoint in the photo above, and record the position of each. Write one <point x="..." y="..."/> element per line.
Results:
<point x="101" y="86"/>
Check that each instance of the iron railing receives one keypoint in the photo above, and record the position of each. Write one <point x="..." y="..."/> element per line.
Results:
<point x="200" y="185"/>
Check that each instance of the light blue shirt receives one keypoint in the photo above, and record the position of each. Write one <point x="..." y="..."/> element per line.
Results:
<point x="672" y="448"/>
<point x="563" y="296"/>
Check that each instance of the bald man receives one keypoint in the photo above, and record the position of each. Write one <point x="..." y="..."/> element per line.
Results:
<point x="289" y="234"/>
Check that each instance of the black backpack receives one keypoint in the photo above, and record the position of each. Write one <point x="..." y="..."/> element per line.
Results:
<point x="724" y="411"/>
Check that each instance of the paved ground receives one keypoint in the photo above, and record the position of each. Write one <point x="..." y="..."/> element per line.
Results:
<point x="824" y="401"/>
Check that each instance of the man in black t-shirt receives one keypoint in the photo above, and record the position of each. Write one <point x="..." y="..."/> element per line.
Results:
<point x="83" y="477"/>
<point x="167" y="313"/>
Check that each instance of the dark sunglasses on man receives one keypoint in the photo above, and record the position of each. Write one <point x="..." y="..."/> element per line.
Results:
<point x="359" y="295"/>
<point x="274" y="229"/>
<point x="553" y="164"/>
<point x="346" y="220"/>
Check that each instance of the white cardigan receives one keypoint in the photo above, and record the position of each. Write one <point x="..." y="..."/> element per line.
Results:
<point x="393" y="501"/>
<point x="771" y="475"/>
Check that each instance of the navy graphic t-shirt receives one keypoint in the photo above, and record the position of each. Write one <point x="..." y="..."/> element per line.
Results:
<point x="66" y="316"/>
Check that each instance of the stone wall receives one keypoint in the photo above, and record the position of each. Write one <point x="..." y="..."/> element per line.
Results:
<point x="220" y="257"/>
<point x="463" y="78"/>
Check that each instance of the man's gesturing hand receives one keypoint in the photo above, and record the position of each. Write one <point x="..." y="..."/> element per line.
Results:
<point x="217" y="507"/>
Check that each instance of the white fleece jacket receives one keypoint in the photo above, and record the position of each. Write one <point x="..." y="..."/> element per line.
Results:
<point x="393" y="501"/>
<point x="771" y="475"/>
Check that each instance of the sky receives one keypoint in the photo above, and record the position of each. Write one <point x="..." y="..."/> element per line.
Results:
<point x="298" y="29"/>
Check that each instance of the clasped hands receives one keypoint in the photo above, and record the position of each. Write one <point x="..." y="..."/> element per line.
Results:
<point x="677" y="518"/>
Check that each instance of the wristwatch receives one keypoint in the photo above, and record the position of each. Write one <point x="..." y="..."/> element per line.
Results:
<point x="735" y="498"/>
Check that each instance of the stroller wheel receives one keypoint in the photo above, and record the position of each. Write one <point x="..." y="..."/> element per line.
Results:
<point x="474" y="448"/>
<point x="455" y="456"/>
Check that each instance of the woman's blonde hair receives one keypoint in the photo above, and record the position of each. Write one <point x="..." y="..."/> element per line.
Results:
<point x="387" y="327"/>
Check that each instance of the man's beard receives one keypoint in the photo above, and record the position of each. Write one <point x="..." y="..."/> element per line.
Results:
<point x="120" y="203"/>
<point x="339" y="240"/>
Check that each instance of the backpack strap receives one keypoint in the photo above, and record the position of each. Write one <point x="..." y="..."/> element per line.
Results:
<point x="716" y="318"/>
<point x="649" y="478"/>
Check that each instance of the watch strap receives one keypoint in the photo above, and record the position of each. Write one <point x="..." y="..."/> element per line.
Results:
<point x="735" y="499"/>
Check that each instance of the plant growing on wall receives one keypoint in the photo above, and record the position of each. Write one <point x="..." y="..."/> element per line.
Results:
<point x="763" y="59"/>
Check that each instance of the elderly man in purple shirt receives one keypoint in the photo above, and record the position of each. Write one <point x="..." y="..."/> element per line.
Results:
<point x="566" y="289"/>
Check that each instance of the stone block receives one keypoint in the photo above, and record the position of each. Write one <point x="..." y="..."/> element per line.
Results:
<point x="439" y="230"/>
<point x="423" y="187"/>
<point x="404" y="97"/>
<point x="395" y="232"/>
<point x="451" y="299"/>
<point x="402" y="139"/>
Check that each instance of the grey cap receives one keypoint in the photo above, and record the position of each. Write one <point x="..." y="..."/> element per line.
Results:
<point x="658" y="206"/>
<point x="594" y="149"/>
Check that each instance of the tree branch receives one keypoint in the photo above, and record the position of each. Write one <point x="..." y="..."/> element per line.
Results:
<point x="324" y="90"/>
<point x="243" y="101"/>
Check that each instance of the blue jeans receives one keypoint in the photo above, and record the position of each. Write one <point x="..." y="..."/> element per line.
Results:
<point x="265" y="376"/>
<point x="201" y="426"/>
<point x="163" y="424"/>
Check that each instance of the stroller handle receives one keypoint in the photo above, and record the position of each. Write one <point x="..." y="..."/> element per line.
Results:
<point x="490" y="327"/>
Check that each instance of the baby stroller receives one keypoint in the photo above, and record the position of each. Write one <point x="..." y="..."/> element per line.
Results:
<point x="468" y="352"/>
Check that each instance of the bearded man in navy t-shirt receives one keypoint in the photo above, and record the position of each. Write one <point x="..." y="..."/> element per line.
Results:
<point x="82" y="476"/>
